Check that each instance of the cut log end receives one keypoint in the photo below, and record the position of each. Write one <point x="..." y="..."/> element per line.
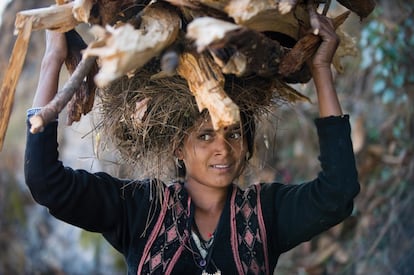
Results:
<point x="37" y="124"/>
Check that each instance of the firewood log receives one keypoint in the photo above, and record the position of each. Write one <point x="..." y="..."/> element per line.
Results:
<point x="57" y="17"/>
<point x="124" y="49"/>
<point x="206" y="82"/>
<point x="242" y="51"/>
<point x="9" y="83"/>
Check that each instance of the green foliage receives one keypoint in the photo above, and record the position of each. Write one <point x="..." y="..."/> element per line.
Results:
<point x="387" y="51"/>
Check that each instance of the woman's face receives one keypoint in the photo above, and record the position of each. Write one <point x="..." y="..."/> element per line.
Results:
<point x="213" y="158"/>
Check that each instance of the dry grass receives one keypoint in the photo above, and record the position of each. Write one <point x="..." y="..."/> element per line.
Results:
<point x="150" y="138"/>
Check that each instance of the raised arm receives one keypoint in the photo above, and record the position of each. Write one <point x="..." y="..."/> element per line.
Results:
<point x="321" y="70"/>
<point x="88" y="200"/>
<point x="304" y="210"/>
<point x="53" y="59"/>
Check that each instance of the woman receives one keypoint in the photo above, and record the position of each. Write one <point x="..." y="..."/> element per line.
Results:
<point x="204" y="224"/>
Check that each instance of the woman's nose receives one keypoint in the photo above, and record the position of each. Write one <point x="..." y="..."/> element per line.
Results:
<point x="222" y="145"/>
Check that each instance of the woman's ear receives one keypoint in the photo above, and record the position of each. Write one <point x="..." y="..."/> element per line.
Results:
<point x="178" y="153"/>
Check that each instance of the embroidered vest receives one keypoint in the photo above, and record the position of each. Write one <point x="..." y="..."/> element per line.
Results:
<point x="170" y="234"/>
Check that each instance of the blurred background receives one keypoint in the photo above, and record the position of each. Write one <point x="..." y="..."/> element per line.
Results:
<point x="376" y="89"/>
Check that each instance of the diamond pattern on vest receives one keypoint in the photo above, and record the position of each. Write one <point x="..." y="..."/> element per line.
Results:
<point x="170" y="235"/>
<point x="250" y="243"/>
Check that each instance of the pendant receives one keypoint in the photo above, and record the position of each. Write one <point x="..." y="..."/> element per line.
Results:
<point x="218" y="272"/>
<point x="203" y="263"/>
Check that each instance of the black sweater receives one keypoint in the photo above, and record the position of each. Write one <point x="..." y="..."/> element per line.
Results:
<point x="118" y="208"/>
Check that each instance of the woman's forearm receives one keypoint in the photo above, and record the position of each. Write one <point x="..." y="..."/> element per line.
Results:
<point x="53" y="59"/>
<point x="48" y="81"/>
<point x="327" y="97"/>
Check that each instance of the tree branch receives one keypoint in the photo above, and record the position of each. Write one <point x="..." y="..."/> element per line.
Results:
<point x="54" y="107"/>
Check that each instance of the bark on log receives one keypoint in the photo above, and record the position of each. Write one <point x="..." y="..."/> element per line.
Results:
<point x="125" y="49"/>
<point x="237" y="50"/>
<point x="12" y="75"/>
<point x="56" y="105"/>
<point x="361" y="7"/>
<point x="242" y="51"/>
<point x="108" y="12"/>
<point x="84" y="97"/>
<point x="206" y="82"/>
<point x="56" y="17"/>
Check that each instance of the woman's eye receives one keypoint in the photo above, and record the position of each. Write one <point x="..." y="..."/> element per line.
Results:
<point x="235" y="135"/>
<point x="205" y="137"/>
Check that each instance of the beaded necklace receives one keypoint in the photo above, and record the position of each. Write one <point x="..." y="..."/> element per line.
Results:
<point x="205" y="249"/>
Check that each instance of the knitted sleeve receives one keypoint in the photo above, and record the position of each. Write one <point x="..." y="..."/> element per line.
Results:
<point x="294" y="213"/>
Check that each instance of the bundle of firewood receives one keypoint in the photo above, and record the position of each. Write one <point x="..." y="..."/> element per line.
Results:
<point x="201" y="41"/>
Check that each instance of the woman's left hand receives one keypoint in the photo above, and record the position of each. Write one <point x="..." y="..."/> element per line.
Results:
<point x="330" y="41"/>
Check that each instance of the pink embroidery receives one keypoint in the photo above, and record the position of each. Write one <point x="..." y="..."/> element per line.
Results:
<point x="155" y="231"/>
<point x="177" y="255"/>
<point x="155" y="261"/>
<point x="249" y="238"/>
<point x="167" y="240"/>
<point x="233" y="234"/>
<point x="171" y="234"/>
<point x="247" y="210"/>
<point x="262" y="227"/>
<point x="247" y="232"/>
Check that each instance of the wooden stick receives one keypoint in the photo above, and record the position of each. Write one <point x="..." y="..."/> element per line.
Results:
<point x="12" y="75"/>
<point x="56" y="105"/>
<point x="56" y="17"/>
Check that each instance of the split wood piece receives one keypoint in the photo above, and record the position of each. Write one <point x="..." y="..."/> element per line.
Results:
<point x="57" y="17"/>
<point x="361" y="7"/>
<point x="304" y="49"/>
<point x="215" y="28"/>
<point x="82" y="9"/>
<point x="206" y="82"/>
<point x="9" y="83"/>
<point x="237" y="50"/>
<point x="286" y="6"/>
<point x="270" y="16"/>
<point x="56" y="105"/>
<point x="124" y="49"/>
